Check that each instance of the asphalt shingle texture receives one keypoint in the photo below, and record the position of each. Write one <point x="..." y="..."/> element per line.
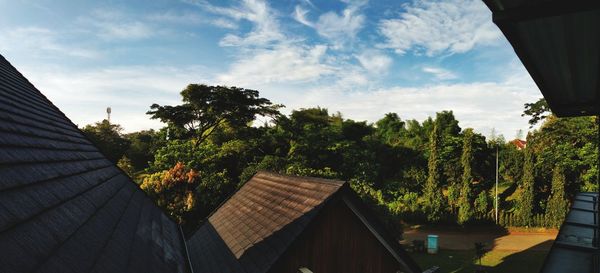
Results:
<point x="63" y="206"/>
<point x="252" y="229"/>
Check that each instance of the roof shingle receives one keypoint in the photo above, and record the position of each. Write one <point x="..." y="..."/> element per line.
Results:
<point x="63" y="206"/>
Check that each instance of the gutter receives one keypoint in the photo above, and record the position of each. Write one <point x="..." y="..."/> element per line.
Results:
<point x="185" y="248"/>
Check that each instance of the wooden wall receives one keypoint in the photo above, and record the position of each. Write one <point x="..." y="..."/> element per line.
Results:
<point x="337" y="242"/>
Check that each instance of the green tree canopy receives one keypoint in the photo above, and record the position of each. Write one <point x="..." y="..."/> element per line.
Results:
<point x="205" y="108"/>
<point x="525" y="200"/>
<point x="465" y="209"/>
<point x="537" y="111"/>
<point x="557" y="206"/>
<point x="432" y="192"/>
<point x="108" y="138"/>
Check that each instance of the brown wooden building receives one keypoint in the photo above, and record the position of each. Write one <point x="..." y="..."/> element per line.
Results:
<point x="281" y="224"/>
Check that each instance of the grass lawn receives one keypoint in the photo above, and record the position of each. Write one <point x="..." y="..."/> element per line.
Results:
<point x="455" y="261"/>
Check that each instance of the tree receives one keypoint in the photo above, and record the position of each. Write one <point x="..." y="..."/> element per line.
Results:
<point x="174" y="190"/>
<point x="537" y="111"/>
<point x="511" y="163"/>
<point x="525" y="199"/>
<point x="125" y="165"/>
<point x="433" y="193"/>
<point x="143" y="146"/>
<point x="107" y="137"/>
<point x="482" y="203"/>
<point x="465" y="209"/>
<point x="390" y="128"/>
<point x="557" y="206"/>
<point x="205" y="108"/>
<point x="447" y="123"/>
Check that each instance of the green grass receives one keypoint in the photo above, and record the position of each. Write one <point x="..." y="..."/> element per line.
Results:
<point x="461" y="261"/>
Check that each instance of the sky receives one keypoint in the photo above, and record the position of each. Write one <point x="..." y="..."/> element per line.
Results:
<point x="361" y="58"/>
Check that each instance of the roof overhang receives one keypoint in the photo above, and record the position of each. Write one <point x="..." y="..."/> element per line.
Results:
<point x="558" y="41"/>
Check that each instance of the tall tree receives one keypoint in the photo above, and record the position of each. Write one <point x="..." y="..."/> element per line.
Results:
<point x="537" y="111"/>
<point x="525" y="200"/>
<point x="432" y="192"/>
<point x="557" y="206"/>
<point x="205" y="108"/>
<point x="108" y="139"/>
<point x="390" y="128"/>
<point x="465" y="210"/>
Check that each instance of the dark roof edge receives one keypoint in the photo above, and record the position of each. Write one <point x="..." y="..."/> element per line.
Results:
<point x="351" y="199"/>
<point x="185" y="250"/>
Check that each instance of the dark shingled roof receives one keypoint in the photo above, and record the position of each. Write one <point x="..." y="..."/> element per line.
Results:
<point x="252" y="229"/>
<point x="63" y="206"/>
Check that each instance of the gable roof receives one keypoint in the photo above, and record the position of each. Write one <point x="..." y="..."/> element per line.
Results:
<point x="519" y="143"/>
<point x="63" y="206"/>
<point x="252" y="229"/>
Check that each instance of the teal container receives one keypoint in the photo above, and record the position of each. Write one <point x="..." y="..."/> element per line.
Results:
<point x="432" y="244"/>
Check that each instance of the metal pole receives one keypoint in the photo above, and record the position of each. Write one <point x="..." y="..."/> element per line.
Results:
<point x="496" y="205"/>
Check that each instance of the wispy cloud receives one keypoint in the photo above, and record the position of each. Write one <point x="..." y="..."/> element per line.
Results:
<point x="339" y="28"/>
<point x="116" y="25"/>
<point x="440" y="73"/>
<point x="265" y="30"/>
<point x="434" y="27"/>
<point x="284" y="63"/>
<point x="191" y="18"/>
<point x="41" y="42"/>
<point x="374" y="61"/>
<point x="300" y="16"/>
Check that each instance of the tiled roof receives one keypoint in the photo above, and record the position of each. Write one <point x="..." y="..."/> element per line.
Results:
<point x="258" y="223"/>
<point x="63" y="206"/>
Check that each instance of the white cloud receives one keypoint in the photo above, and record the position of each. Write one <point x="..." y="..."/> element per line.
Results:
<point x="440" y="73"/>
<point x="40" y="42"/>
<point x="192" y="18"/>
<point x="434" y="27"/>
<point x="281" y="64"/>
<point x="481" y="105"/>
<point x="340" y="27"/>
<point x="223" y="23"/>
<point x="300" y="16"/>
<point x="129" y="30"/>
<point x="265" y="30"/>
<point x="83" y="95"/>
<point x="115" y="25"/>
<point x="374" y="61"/>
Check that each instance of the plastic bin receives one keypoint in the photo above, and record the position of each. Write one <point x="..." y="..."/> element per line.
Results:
<point x="432" y="244"/>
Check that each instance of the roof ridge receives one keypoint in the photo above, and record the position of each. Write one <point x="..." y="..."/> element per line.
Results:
<point x="326" y="181"/>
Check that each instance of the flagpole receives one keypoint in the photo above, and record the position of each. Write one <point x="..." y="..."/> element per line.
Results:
<point x="496" y="183"/>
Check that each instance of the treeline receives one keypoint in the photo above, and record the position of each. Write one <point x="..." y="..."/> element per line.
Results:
<point x="419" y="171"/>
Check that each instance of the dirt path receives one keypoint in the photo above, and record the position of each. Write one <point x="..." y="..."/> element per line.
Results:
<point x="508" y="241"/>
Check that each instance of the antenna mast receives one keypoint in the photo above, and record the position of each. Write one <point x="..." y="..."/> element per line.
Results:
<point x="108" y="111"/>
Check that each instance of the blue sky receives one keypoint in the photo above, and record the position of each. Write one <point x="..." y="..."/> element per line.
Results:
<point x="361" y="58"/>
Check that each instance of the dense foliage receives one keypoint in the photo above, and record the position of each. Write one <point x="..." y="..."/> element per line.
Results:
<point x="412" y="171"/>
